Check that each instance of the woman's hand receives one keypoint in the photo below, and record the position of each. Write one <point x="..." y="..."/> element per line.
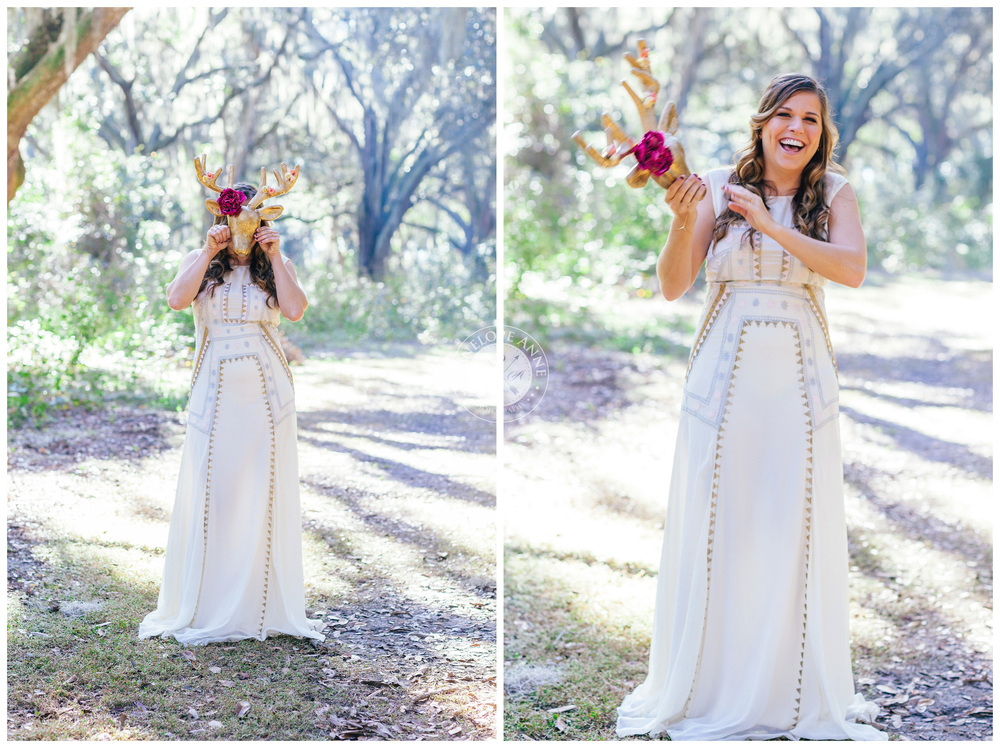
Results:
<point x="683" y="197"/>
<point x="749" y="205"/>
<point x="217" y="240"/>
<point x="269" y="240"/>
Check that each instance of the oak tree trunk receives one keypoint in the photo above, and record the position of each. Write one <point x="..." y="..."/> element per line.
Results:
<point x="55" y="50"/>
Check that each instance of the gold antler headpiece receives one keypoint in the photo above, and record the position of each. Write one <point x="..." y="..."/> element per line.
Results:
<point x="244" y="219"/>
<point x="659" y="153"/>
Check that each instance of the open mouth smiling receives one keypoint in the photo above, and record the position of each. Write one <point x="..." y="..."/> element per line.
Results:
<point x="791" y="145"/>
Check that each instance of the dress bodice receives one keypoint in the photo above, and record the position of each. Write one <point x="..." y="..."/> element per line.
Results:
<point x="237" y="301"/>
<point x="761" y="258"/>
<point x="236" y="323"/>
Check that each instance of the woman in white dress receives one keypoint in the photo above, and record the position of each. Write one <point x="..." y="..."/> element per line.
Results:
<point x="750" y="635"/>
<point x="233" y="567"/>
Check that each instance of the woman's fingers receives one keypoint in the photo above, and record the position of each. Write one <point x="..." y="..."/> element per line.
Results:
<point x="674" y="188"/>
<point x="689" y="192"/>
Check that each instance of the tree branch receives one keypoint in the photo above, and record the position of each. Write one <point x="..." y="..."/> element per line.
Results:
<point x="131" y="113"/>
<point x="41" y="82"/>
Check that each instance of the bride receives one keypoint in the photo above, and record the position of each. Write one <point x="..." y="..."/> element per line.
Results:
<point x="750" y="636"/>
<point x="233" y="567"/>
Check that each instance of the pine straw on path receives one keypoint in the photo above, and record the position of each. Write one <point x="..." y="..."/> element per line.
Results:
<point x="585" y="487"/>
<point x="398" y="486"/>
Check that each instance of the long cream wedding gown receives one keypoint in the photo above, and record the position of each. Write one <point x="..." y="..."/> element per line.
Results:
<point x="750" y="634"/>
<point x="233" y="567"/>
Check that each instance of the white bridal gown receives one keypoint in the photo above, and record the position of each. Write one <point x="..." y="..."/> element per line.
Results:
<point x="750" y="635"/>
<point x="233" y="567"/>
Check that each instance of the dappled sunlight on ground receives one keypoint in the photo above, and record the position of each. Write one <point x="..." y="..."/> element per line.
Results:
<point x="398" y="487"/>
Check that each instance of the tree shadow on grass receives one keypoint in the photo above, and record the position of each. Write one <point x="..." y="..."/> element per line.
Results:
<point x="77" y="435"/>
<point x="927" y="448"/>
<point x="407" y="474"/>
<point x="451" y="421"/>
<point x="586" y="386"/>
<point x="966" y="375"/>
<point x="418" y="537"/>
<point x="964" y="544"/>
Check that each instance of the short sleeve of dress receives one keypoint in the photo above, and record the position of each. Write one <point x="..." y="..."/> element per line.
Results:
<point x="716" y="179"/>
<point x="834" y="182"/>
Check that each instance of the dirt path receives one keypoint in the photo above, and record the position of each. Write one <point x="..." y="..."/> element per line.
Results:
<point x="584" y="501"/>
<point x="398" y="486"/>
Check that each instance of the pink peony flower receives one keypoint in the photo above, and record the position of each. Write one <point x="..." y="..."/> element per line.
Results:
<point x="231" y="202"/>
<point x="652" y="154"/>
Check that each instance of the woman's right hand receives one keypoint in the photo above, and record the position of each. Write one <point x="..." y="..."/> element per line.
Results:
<point x="684" y="194"/>
<point x="217" y="239"/>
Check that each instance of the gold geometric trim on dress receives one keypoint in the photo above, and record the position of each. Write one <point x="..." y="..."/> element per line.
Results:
<point x="771" y="322"/>
<point x="756" y="247"/>
<point x="225" y="305"/>
<point x="786" y="265"/>
<point x="270" y="499"/>
<point x="706" y="327"/>
<point x="817" y="310"/>
<point x="208" y="493"/>
<point x="201" y="357"/>
<point x="225" y="300"/>
<point x="807" y="526"/>
<point x="277" y="351"/>
<point x="713" y="505"/>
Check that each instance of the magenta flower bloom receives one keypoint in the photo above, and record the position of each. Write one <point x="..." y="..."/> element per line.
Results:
<point x="652" y="154"/>
<point x="231" y="202"/>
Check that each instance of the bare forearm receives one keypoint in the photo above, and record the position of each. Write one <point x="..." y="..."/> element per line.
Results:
<point x="840" y="263"/>
<point x="674" y="266"/>
<point x="184" y="288"/>
<point x="291" y="298"/>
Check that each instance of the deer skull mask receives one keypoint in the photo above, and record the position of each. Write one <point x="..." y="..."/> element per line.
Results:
<point x="659" y="153"/>
<point x="245" y="218"/>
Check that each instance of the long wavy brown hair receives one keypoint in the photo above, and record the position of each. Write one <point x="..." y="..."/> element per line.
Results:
<point x="261" y="272"/>
<point x="809" y="205"/>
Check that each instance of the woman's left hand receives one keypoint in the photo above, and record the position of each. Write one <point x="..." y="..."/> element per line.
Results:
<point x="269" y="240"/>
<point x="749" y="205"/>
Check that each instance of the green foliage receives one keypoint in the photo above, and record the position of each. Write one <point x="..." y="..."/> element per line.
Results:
<point x="427" y="296"/>
<point x="88" y="256"/>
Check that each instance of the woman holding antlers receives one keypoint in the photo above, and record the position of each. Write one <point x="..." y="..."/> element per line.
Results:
<point x="233" y="567"/>
<point x="750" y="637"/>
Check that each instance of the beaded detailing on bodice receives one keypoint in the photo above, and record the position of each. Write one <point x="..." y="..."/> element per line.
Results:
<point x="237" y="301"/>
<point x="237" y="322"/>
<point x="759" y="258"/>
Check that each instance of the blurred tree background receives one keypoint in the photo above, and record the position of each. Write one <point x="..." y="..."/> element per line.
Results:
<point x="391" y="112"/>
<point x="911" y="94"/>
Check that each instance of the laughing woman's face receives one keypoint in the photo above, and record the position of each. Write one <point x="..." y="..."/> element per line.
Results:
<point x="791" y="137"/>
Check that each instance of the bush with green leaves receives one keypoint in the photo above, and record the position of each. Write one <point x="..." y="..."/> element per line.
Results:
<point x="89" y="253"/>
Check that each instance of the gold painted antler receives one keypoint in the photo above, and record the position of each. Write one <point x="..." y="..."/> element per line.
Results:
<point x="208" y="179"/>
<point x="286" y="180"/>
<point x="642" y="71"/>
<point x="621" y="145"/>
